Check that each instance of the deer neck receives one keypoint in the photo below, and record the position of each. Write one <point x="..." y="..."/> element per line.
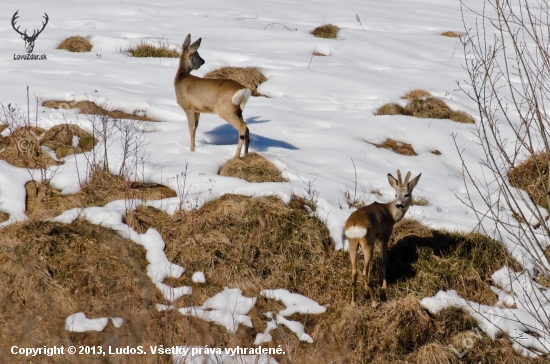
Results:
<point x="397" y="214"/>
<point x="183" y="70"/>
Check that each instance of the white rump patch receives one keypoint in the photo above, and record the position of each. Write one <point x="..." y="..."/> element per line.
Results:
<point x="355" y="232"/>
<point x="241" y="97"/>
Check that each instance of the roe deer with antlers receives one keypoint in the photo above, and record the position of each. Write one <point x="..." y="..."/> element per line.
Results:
<point x="374" y="223"/>
<point x="208" y="95"/>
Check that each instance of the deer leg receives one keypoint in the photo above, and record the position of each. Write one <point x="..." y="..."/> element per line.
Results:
<point x="353" y="246"/>
<point x="246" y="141"/>
<point x="191" y="116"/>
<point x="384" y="249"/>
<point x="367" y="249"/>
<point x="236" y="120"/>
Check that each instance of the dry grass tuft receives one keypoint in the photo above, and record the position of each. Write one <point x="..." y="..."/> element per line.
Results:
<point x="76" y="44"/>
<point x="430" y="107"/>
<point x="22" y="149"/>
<point x="326" y="31"/>
<point x="144" y="49"/>
<point x="252" y="168"/>
<point x="419" y="201"/>
<point x="436" y="152"/>
<point x="450" y="34"/>
<point x="68" y="139"/>
<point x="44" y="201"/>
<point x="530" y="176"/>
<point x="424" y="106"/>
<point x="434" y="353"/>
<point x="90" y="108"/>
<point x="397" y="147"/>
<point x="462" y="117"/>
<point x="391" y="109"/>
<point x="4" y="216"/>
<point x="416" y="94"/>
<point x="249" y="77"/>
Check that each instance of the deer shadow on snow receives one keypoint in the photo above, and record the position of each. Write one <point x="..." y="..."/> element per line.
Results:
<point x="414" y="254"/>
<point x="226" y="135"/>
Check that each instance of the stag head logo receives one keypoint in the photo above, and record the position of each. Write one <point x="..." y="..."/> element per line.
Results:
<point x="29" y="39"/>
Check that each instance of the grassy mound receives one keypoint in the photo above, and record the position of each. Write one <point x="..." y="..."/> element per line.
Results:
<point x="22" y="149"/>
<point x="416" y="94"/>
<point x="531" y="176"/>
<point x="252" y="168"/>
<point x="258" y="243"/>
<point x="76" y="44"/>
<point x="391" y="109"/>
<point x="422" y="106"/>
<point x="90" y="108"/>
<point x="61" y="138"/>
<point x="249" y="77"/>
<point x="43" y="201"/>
<point x="450" y="34"/>
<point x="428" y="108"/>
<point x="144" y="49"/>
<point x="397" y="147"/>
<point x="326" y="31"/>
<point x="53" y="270"/>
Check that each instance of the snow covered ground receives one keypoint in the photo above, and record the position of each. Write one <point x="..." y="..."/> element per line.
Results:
<point x="314" y="126"/>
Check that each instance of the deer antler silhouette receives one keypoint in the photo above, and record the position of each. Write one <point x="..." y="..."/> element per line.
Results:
<point x="29" y="40"/>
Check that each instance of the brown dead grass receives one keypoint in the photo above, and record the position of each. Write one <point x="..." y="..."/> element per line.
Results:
<point x="249" y="77"/>
<point x="450" y="34"/>
<point x="43" y="201"/>
<point x="4" y="217"/>
<point x="390" y="109"/>
<point x="160" y="50"/>
<point x="252" y="168"/>
<point x="436" y="152"/>
<point x="429" y="107"/>
<point x="326" y="31"/>
<point x="531" y="176"/>
<point x="52" y="270"/>
<point x="258" y="243"/>
<point x="416" y="94"/>
<point x="90" y="108"/>
<point x="397" y="147"/>
<point x="22" y="149"/>
<point x="462" y="117"/>
<point x="60" y="139"/>
<point x="424" y="106"/>
<point x="76" y="44"/>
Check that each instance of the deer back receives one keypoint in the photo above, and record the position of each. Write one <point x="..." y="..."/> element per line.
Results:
<point x="374" y="218"/>
<point x="206" y="95"/>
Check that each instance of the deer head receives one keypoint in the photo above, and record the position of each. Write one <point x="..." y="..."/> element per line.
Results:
<point x="29" y="39"/>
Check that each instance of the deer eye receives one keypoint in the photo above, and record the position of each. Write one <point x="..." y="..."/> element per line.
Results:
<point x="408" y="195"/>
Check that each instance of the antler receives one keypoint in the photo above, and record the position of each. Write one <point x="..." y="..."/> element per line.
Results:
<point x="15" y="16"/>
<point x="407" y="177"/>
<point x="399" y="183"/>
<point x="35" y="34"/>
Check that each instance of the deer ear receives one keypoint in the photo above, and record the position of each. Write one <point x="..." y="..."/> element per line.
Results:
<point x="193" y="47"/>
<point x="187" y="41"/>
<point x="412" y="184"/>
<point x="392" y="181"/>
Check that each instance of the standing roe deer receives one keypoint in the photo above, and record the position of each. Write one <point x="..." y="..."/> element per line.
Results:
<point x="207" y="95"/>
<point x="374" y="223"/>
